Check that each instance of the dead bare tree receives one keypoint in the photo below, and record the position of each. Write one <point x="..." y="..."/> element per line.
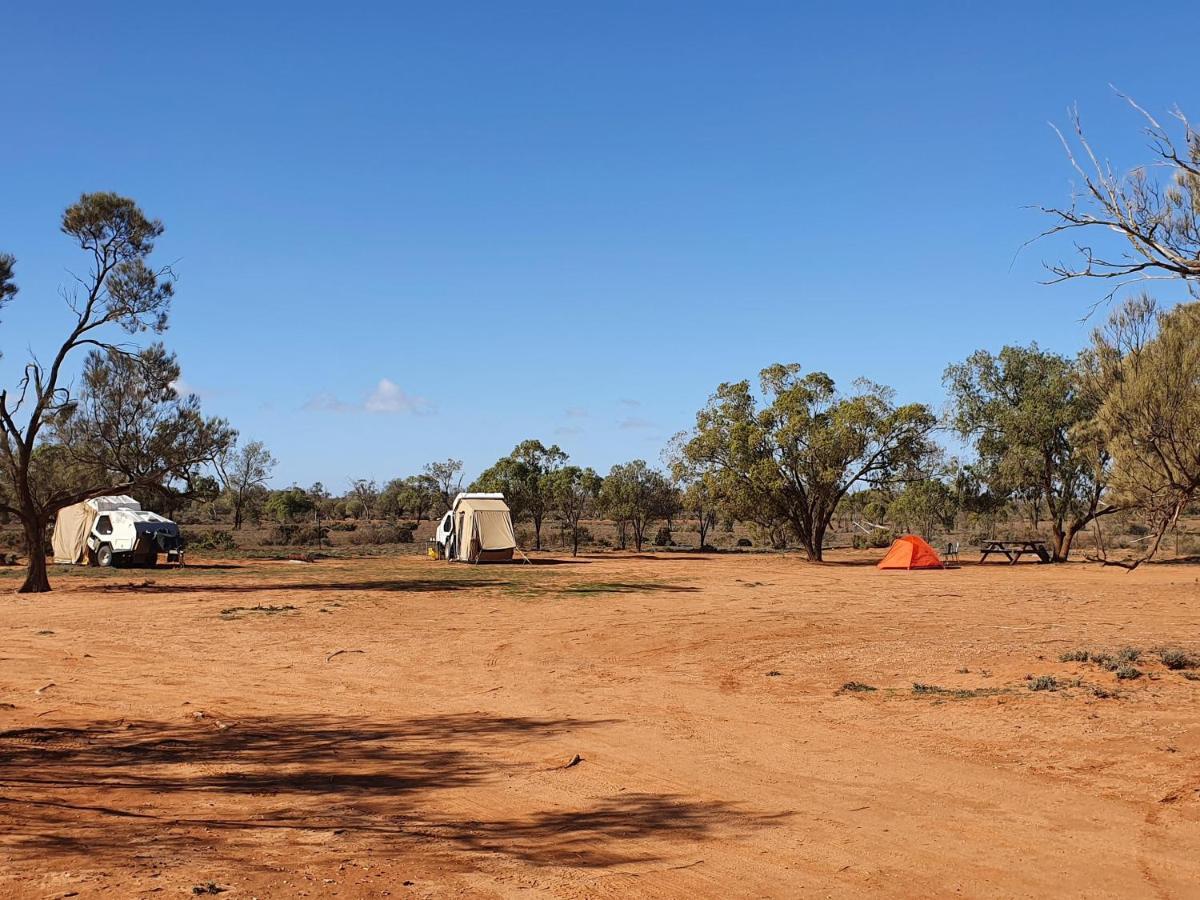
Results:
<point x="1156" y="215"/>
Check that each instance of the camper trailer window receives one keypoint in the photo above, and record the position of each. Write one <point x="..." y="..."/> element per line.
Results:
<point x="104" y="525"/>
<point x="446" y="522"/>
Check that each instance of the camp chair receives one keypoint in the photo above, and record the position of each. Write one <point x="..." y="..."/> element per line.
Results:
<point x="952" y="551"/>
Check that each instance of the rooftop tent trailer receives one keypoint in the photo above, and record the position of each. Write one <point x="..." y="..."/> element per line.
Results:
<point x="108" y="531"/>
<point x="477" y="528"/>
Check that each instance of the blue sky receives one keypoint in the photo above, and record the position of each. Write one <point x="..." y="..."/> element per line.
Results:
<point x="405" y="232"/>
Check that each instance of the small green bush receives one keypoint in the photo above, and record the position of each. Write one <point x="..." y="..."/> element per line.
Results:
<point x="212" y="540"/>
<point x="876" y="540"/>
<point x="382" y="534"/>
<point x="1044" y="683"/>
<point x="296" y="536"/>
<point x="1129" y="654"/>
<point x="1174" y="658"/>
<point x="1075" y="656"/>
<point x="1128" y="673"/>
<point x="662" y="538"/>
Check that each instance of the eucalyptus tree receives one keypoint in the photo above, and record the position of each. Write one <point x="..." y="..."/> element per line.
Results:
<point x="127" y="427"/>
<point x="574" y="492"/>
<point x="789" y="458"/>
<point x="1144" y="367"/>
<point x="1023" y="409"/>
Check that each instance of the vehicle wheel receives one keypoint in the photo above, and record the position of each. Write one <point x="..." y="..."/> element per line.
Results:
<point x="104" y="556"/>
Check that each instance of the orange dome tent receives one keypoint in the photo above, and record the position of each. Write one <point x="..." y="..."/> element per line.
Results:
<point x="911" y="552"/>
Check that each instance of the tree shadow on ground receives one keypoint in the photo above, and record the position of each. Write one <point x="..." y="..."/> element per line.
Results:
<point x="102" y="790"/>
<point x="404" y="585"/>
<point x="623" y="587"/>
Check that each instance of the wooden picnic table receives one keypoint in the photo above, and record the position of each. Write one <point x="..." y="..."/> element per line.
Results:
<point x="1014" y="550"/>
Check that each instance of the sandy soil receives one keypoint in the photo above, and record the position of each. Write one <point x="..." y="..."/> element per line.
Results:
<point x="403" y="727"/>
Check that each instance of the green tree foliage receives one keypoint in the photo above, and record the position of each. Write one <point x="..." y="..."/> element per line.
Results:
<point x="127" y="428"/>
<point x="633" y="495"/>
<point x="446" y="477"/>
<point x="523" y="478"/>
<point x="573" y="492"/>
<point x="290" y="505"/>
<point x="1145" y="368"/>
<point x="1022" y="408"/>
<point x="366" y="492"/>
<point x="244" y="471"/>
<point x="789" y="461"/>
<point x="699" y="501"/>
<point x="924" y="506"/>
<point x="413" y="496"/>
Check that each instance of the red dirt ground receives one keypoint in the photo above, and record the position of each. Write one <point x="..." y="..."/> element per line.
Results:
<point x="156" y="738"/>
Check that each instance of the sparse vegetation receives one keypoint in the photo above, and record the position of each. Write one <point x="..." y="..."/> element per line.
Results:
<point x="1175" y="659"/>
<point x="1075" y="656"/>
<point x="1044" y="683"/>
<point x="1128" y="673"/>
<point x="236" y="612"/>
<point x="857" y="687"/>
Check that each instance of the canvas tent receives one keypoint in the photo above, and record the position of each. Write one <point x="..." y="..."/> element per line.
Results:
<point x="72" y="526"/>
<point x="483" y="530"/>
<point x="911" y="552"/>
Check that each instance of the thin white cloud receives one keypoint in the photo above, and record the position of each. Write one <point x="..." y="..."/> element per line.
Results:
<point x="631" y="403"/>
<point x="634" y="423"/>
<point x="326" y="402"/>
<point x="568" y="430"/>
<point x="388" y="398"/>
<point x="576" y="412"/>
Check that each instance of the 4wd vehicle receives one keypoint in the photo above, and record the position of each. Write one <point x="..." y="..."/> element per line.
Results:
<point x="113" y="531"/>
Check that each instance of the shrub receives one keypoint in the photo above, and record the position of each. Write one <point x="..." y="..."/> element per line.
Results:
<point x="212" y="540"/>
<point x="744" y="542"/>
<point x="382" y="534"/>
<point x="856" y="686"/>
<point x="1174" y="658"/>
<point x="296" y="535"/>
<point x="1128" y="673"/>
<point x="876" y="540"/>
<point x="1044" y="683"/>
<point x="662" y="538"/>
<point x="343" y="526"/>
<point x="1074" y="656"/>
<point x="1129" y="654"/>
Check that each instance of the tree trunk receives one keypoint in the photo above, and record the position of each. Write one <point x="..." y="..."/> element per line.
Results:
<point x="36" y="579"/>
<point x="537" y="532"/>
<point x="1068" y="537"/>
<point x="703" y="532"/>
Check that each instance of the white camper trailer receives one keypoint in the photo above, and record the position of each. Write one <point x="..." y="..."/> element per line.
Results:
<point x="478" y="528"/>
<point x="108" y="531"/>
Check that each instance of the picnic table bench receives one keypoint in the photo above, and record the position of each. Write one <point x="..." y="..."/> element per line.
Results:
<point x="1014" y="550"/>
